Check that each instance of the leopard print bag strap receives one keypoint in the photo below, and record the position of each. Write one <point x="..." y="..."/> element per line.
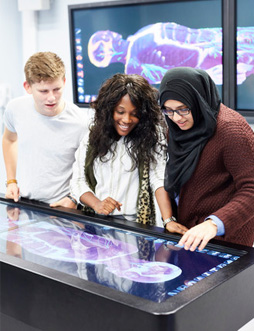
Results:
<point x="145" y="205"/>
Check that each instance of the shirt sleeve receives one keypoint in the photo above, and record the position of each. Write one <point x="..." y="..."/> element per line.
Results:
<point x="8" y="119"/>
<point x="78" y="184"/>
<point x="219" y="223"/>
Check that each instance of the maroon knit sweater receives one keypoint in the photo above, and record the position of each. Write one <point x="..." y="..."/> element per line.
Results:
<point x="223" y="181"/>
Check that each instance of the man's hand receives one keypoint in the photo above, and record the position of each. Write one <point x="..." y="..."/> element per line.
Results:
<point x="65" y="202"/>
<point x="199" y="235"/>
<point x="12" y="192"/>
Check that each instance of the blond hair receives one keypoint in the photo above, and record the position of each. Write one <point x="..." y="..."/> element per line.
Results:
<point x="44" y="66"/>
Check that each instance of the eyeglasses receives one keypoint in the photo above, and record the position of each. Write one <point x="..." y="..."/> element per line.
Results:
<point x="180" y="112"/>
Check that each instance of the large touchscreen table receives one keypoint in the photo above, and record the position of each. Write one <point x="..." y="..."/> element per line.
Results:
<point x="142" y="274"/>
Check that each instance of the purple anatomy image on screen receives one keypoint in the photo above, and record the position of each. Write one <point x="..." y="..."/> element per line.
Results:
<point x="146" y="272"/>
<point x="156" y="48"/>
<point x="245" y="53"/>
<point x="65" y="244"/>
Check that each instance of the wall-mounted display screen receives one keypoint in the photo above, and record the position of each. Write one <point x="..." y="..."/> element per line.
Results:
<point x="245" y="55"/>
<point x="146" y="266"/>
<point x="145" y="38"/>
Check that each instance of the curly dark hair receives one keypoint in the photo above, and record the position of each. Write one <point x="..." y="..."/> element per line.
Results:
<point x="142" y="140"/>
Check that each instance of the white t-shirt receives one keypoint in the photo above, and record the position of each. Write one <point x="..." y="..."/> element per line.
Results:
<point x="46" y="147"/>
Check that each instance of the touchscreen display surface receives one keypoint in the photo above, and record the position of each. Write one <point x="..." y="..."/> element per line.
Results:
<point x="245" y="55"/>
<point x="149" y="267"/>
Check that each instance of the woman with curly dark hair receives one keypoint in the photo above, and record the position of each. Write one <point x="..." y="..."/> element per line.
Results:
<point x="122" y="162"/>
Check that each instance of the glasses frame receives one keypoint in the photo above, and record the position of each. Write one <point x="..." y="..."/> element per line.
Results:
<point x="166" y="111"/>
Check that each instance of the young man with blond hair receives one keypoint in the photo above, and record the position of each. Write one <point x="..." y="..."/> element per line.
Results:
<point x="42" y="133"/>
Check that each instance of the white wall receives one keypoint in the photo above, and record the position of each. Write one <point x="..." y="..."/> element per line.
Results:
<point x="53" y="34"/>
<point x="11" y="46"/>
<point x="10" y="62"/>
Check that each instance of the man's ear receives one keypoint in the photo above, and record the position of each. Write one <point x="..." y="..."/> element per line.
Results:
<point x="27" y="87"/>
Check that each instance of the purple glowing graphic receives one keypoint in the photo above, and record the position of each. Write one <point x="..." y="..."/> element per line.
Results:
<point x="73" y="245"/>
<point x="146" y="272"/>
<point x="156" y="48"/>
<point x="245" y="53"/>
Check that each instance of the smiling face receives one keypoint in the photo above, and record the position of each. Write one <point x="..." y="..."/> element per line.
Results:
<point x="184" y="122"/>
<point x="47" y="96"/>
<point x="125" y="116"/>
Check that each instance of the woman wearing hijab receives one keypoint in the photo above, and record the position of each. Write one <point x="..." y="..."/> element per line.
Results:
<point x="210" y="166"/>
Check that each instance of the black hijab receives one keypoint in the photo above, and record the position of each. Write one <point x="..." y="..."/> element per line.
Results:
<point x="196" y="89"/>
